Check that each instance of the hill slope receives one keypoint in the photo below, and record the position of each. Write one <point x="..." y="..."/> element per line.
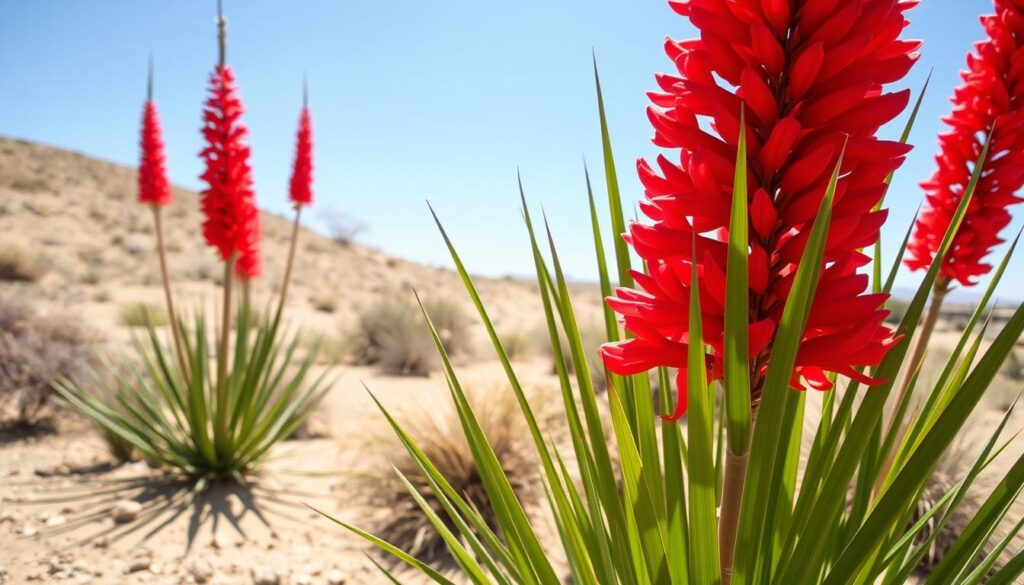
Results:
<point x="79" y="216"/>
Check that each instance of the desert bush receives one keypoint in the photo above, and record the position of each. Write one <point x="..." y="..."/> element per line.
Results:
<point x="142" y="315"/>
<point x="389" y="333"/>
<point x="18" y="263"/>
<point x="341" y="227"/>
<point x="390" y="506"/>
<point x="518" y="345"/>
<point x="34" y="352"/>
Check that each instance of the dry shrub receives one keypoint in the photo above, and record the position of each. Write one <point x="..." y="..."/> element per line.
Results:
<point x="29" y="184"/>
<point x="517" y="345"/>
<point x="18" y="263"/>
<point x="341" y="227"/>
<point x="325" y="303"/>
<point x="34" y="352"/>
<point x="393" y="334"/>
<point x="395" y="515"/>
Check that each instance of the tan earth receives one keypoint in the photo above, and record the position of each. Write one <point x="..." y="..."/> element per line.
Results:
<point x="68" y="514"/>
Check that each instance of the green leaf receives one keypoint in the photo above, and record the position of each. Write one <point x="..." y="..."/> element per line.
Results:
<point x="737" y="309"/>
<point x="768" y="450"/>
<point x="704" y="562"/>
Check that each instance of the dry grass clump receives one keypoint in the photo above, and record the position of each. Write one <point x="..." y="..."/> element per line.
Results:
<point x="18" y="263"/>
<point x="29" y="184"/>
<point x="34" y="352"/>
<point x="394" y="514"/>
<point x="393" y="334"/>
<point x="950" y="470"/>
<point x="142" y="314"/>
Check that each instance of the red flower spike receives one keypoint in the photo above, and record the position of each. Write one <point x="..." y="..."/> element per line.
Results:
<point x="232" y="223"/>
<point x="301" y="187"/>
<point x="810" y="76"/>
<point x="154" y="188"/>
<point x="993" y="89"/>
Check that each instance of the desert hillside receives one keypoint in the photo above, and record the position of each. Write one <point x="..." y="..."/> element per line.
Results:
<point x="77" y="215"/>
<point x="78" y="252"/>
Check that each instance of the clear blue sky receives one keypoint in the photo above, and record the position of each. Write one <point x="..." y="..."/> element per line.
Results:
<point x="411" y="101"/>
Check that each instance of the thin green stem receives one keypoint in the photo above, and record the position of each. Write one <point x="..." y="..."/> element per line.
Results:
<point x="939" y="292"/>
<point x="221" y="431"/>
<point x="732" y="495"/>
<point x="291" y="261"/>
<point x="172" y="315"/>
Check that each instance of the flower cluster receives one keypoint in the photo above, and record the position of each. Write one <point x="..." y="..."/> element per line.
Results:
<point x="992" y="95"/>
<point x="154" y="188"/>
<point x="809" y="75"/>
<point x="301" y="187"/>
<point x="232" y="223"/>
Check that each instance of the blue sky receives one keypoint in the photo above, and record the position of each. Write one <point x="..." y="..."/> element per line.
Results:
<point x="411" y="101"/>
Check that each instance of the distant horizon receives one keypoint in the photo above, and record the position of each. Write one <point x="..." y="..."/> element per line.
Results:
<point x="412" y="103"/>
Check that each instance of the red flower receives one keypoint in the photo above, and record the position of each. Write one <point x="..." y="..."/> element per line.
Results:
<point x="154" y="188"/>
<point x="301" y="187"/>
<point x="249" y="266"/>
<point x="993" y="89"/>
<point x="810" y="75"/>
<point x="232" y="223"/>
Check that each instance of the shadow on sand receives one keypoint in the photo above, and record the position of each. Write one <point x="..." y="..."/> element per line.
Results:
<point x="93" y="498"/>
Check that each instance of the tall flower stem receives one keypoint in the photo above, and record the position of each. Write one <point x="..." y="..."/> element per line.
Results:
<point x="222" y="356"/>
<point x="172" y="315"/>
<point x="939" y="292"/>
<point x="222" y="35"/>
<point x="732" y="495"/>
<point x="291" y="260"/>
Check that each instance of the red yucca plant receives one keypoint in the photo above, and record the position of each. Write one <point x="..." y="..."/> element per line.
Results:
<point x="988" y="111"/>
<point x="991" y="99"/>
<point x="753" y="254"/>
<point x="809" y="84"/>
<point x="211" y="420"/>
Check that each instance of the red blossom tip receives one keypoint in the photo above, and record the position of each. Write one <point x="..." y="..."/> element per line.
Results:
<point x="154" y="188"/>
<point x="301" y="186"/>
<point x="991" y="92"/>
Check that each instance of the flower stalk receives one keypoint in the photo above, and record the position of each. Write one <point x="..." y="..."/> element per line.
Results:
<point x="155" y="192"/>
<point x="300" y="190"/>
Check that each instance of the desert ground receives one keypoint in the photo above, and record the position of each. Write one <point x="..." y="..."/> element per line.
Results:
<point x="71" y="513"/>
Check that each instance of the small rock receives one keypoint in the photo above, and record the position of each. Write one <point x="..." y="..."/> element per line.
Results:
<point x="265" y="576"/>
<point x="29" y="530"/>
<point x="302" y="579"/>
<point x="221" y="541"/>
<point x="201" y="571"/>
<point x="138" y="564"/>
<point x="126" y="511"/>
<point x="335" y="577"/>
<point x="101" y="542"/>
<point x="56" y="520"/>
